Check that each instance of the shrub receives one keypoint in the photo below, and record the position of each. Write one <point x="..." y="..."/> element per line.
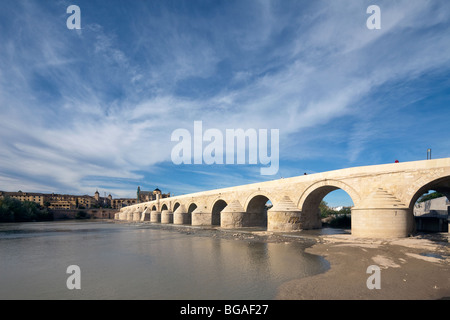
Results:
<point x="341" y="221"/>
<point x="81" y="215"/>
<point x="13" y="210"/>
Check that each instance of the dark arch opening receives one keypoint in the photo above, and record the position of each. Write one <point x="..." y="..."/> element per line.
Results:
<point x="216" y="210"/>
<point x="430" y="206"/>
<point x="191" y="209"/>
<point x="154" y="208"/>
<point x="441" y="185"/>
<point x="328" y="206"/>
<point x="175" y="207"/>
<point x="164" y="207"/>
<point x="256" y="214"/>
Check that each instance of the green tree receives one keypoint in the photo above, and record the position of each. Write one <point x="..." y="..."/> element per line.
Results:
<point x="430" y="196"/>
<point x="13" y="210"/>
<point x="325" y="210"/>
<point x="6" y="214"/>
<point x="81" y="215"/>
<point x="345" y="210"/>
<point x="341" y="221"/>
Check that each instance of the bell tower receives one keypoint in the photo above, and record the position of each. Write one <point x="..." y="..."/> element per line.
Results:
<point x="137" y="194"/>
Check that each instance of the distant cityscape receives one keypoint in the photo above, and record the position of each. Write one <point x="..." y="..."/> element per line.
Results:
<point x="55" y="201"/>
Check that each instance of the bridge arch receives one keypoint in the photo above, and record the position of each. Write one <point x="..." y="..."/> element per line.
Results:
<point x="217" y="206"/>
<point x="311" y="198"/>
<point x="164" y="207"/>
<point x="154" y="208"/>
<point x="325" y="187"/>
<point x="191" y="207"/>
<point x="256" y="210"/>
<point x="441" y="185"/>
<point x="255" y="194"/>
<point x="175" y="206"/>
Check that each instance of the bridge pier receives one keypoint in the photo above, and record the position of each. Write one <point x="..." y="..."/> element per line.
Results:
<point x="155" y="216"/>
<point x="145" y="216"/>
<point x="129" y="215"/>
<point x="232" y="216"/>
<point x="137" y="215"/>
<point x="382" y="223"/>
<point x="166" y="216"/>
<point x="180" y="216"/>
<point x="201" y="218"/>
<point x="284" y="216"/>
<point x="382" y="215"/>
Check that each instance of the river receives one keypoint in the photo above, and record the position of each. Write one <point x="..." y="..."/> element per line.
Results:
<point x="138" y="261"/>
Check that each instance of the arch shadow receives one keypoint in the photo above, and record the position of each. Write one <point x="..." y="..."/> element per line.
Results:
<point x="256" y="211"/>
<point x="217" y="208"/>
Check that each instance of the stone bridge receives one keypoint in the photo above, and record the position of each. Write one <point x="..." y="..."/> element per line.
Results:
<point x="383" y="198"/>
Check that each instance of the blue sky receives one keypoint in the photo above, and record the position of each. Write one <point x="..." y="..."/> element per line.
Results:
<point x="94" y="109"/>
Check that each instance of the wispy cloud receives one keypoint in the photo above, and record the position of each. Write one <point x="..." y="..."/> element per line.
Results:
<point x="99" y="104"/>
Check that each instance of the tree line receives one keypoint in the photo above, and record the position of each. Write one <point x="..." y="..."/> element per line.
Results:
<point x="430" y="196"/>
<point x="326" y="211"/>
<point x="13" y="210"/>
<point x="334" y="218"/>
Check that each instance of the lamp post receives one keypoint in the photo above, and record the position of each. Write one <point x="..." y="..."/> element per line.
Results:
<point x="429" y="154"/>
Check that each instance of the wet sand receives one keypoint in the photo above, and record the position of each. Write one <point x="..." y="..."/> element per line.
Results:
<point x="412" y="268"/>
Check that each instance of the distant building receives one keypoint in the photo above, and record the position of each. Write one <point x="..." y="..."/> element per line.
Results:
<point x="432" y="215"/>
<point x="339" y="208"/>
<point x="61" y="201"/>
<point x="433" y="207"/>
<point x="71" y="202"/>
<point x="145" y="196"/>
<point x="122" y="202"/>
<point x="38" y="198"/>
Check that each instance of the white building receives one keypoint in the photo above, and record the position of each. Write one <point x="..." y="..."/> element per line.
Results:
<point x="433" y="207"/>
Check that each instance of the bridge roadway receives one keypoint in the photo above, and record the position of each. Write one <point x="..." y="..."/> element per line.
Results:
<point x="383" y="197"/>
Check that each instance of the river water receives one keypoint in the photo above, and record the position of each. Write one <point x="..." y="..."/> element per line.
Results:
<point x="135" y="261"/>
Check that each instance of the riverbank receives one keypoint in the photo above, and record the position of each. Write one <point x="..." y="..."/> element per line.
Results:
<point x="412" y="268"/>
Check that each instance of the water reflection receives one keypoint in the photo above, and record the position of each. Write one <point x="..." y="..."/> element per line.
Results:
<point x="136" y="262"/>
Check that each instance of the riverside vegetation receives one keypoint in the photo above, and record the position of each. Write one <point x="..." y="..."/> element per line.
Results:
<point x="13" y="210"/>
<point x="333" y="218"/>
